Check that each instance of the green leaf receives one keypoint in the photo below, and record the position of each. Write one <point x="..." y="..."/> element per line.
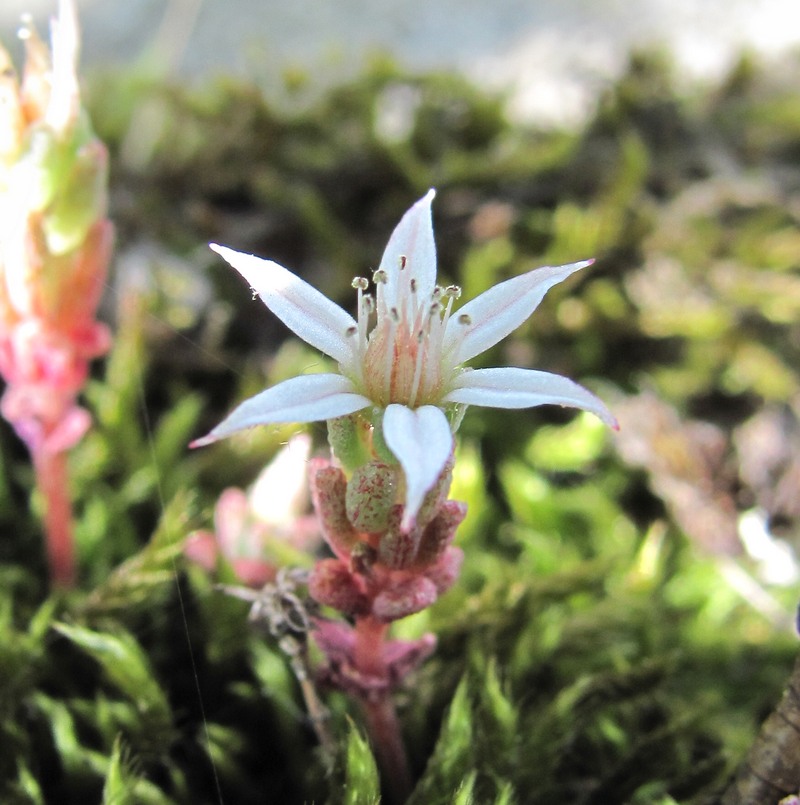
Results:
<point x="126" y="665"/>
<point x="450" y="766"/>
<point x="124" y="787"/>
<point x="361" y="781"/>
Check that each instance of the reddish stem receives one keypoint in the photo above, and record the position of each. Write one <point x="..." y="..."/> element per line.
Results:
<point x="383" y="725"/>
<point x="52" y="479"/>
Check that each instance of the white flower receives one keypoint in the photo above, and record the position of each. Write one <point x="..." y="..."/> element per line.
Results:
<point x="409" y="364"/>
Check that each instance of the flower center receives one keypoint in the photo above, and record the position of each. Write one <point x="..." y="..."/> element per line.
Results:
<point x="401" y="359"/>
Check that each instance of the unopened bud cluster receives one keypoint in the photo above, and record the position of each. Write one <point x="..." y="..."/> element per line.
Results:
<point x="55" y="239"/>
<point x="380" y="571"/>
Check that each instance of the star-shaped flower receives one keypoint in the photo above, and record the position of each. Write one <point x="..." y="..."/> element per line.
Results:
<point x="405" y="352"/>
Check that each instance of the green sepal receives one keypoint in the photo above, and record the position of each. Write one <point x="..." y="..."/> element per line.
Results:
<point x="349" y="438"/>
<point x="81" y="201"/>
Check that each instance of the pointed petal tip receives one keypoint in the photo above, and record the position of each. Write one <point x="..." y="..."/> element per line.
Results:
<point x="224" y="252"/>
<point x="202" y="441"/>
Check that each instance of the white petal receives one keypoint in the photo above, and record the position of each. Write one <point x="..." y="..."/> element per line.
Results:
<point x="308" y="398"/>
<point x="301" y="307"/>
<point x="63" y="105"/>
<point x="524" y="388"/>
<point x="500" y="310"/>
<point x="280" y="493"/>
<point x="412" y="239"/>
<point x="421" y="440"/>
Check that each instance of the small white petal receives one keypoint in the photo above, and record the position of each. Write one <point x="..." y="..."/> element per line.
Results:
<point x="308" y="398"/>
<point x="63" y="105"/>
<point x="412" y="239"/>
<point x="421" y="440"/>
<point x="511" y="387"/>
<point x="302" y="308"/>
<point x="500" y="310"/>
<point x="280" y="493"/>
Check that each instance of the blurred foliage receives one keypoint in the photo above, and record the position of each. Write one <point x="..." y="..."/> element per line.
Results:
<point x="610" y="640"/>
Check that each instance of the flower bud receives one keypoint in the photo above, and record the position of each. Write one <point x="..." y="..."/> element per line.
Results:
<point x="328" y="492"/>
<point x="445" y="572"/>
<point x="332" y="584"/>
<point x="438" y="493"/>
<point x="404" y="598"/>
<point x="439" y="533"/>
<point x="397" y="548"/>
<point x="370" y="497"/>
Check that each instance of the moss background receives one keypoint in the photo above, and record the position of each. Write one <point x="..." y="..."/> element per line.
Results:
<point x="609" y="641"/>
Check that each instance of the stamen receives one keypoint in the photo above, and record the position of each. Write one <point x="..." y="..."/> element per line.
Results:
<point x="361" y="283"/>
<point x="417" y="368"/>
<point x="453" y="291"/>
<point x="413" y="285"/>
<point x="350" y="331"/>
<point x="465" y="319"/>
<point x="380" y="277"/>
<point x="403" y="261"/>
<point x="389" y="353"/>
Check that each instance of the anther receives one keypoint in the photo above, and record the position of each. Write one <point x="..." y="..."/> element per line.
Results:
<point x="350" y="331"/>
<point x="403" y="261"/>
<point x="453" y="291"/>
<point x="379" y="276"/>
<point x="394" y="314"/>
<point x="413" y="285"/>
<point x="464" y="318"/>
<point x="360" y="283"/>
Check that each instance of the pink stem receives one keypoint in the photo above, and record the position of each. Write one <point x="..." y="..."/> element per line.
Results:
<point x="383" y="725"/>
<point x="52" y="480"/>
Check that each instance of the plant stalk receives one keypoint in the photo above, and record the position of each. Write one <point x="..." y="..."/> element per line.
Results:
<point x="52" y="479"/>
<point x="383" y="726"/>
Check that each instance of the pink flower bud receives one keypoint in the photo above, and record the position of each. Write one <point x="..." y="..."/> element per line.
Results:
<point x="439" y="532"/>
<point x="404" y="598"/>
<point x="397" y="549"/>
<point x="438" y="493"/>
<point x="444" y="573"/>
<point x="328" y="493"/>
<point x="331" y="583"/>
<point x="370" y="496"/>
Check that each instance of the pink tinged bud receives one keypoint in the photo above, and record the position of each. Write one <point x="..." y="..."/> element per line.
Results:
<point x="254" y="572"/>
<point x="370" y="496"/>
<point x="404" y="598"/>
<point x="404" y="656"/>
<point x="328" y="493"/>
<point x="332" y="584"/>
<point x="335" y="640"/>
<point x="397" y="549"/>
<point x="444" y="573"/>
<point x="437" y="495"/>
<point x="201" y="548"/>
<point x="439" y="533"/>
